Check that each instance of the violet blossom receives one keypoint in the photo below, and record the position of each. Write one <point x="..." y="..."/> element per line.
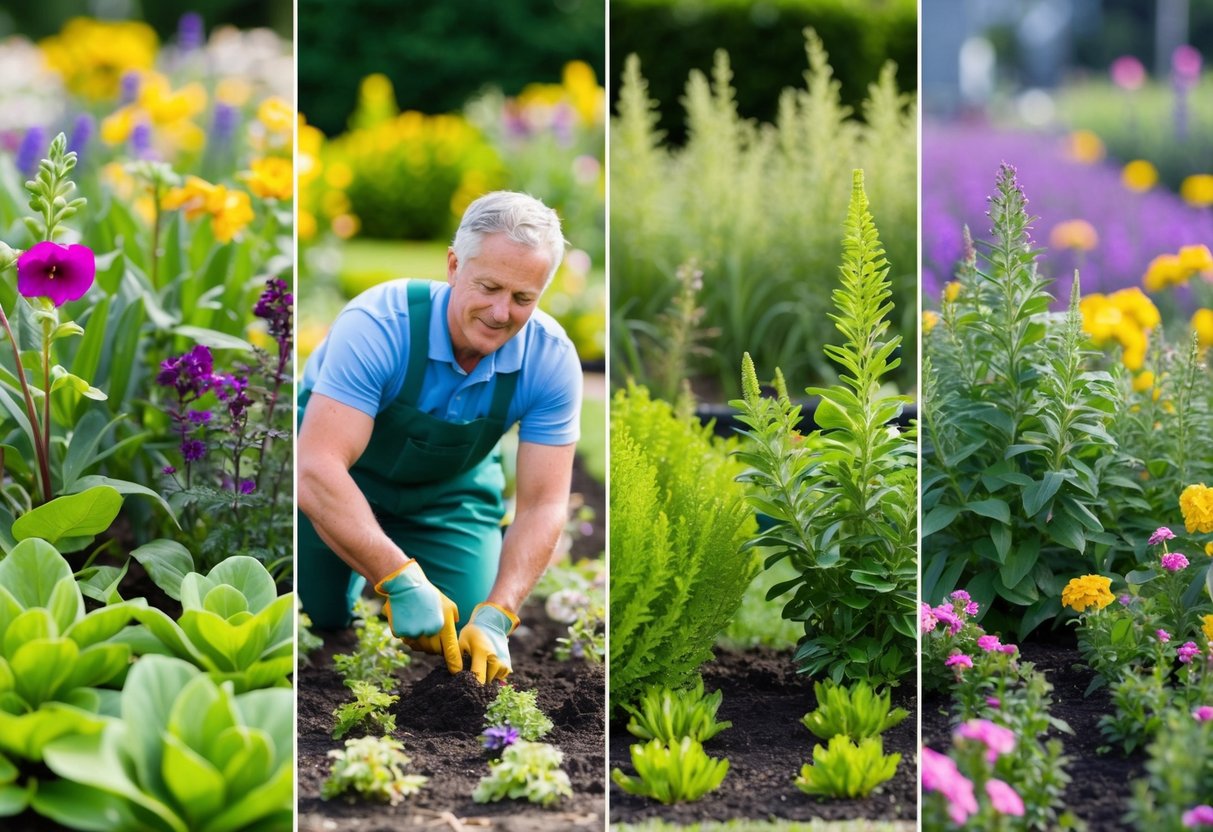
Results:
<point x="1187" y="651"/>
<point x="1160" y="534"/>
<point x="497" y="738"/>
<point x="60" y="273"/>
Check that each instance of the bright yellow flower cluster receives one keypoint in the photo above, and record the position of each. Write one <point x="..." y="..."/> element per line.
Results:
<point x="270" y="178"/>
<point x="1209" y="548"/>
<point x="1207" y="627"/>
<point x="1202" y="324"/>
<point x="1197" y="190"/>
<point x="167" y="111"/>
<point x="230" y="210"/>
<point x="951" y="290"/>
<point x="1085" y="147"/>
<point x="1125" y="316"/>
<point x="93" y="55"/>
<point x="1175" y="269"/>
<point x="1196" y="503"/>
<point x="1087" y="591"/>
<point x="578" y="88"/>
<point x="1139" y="176"/>
<point x="929" y="320"/>
<point x="1079" y="235"/>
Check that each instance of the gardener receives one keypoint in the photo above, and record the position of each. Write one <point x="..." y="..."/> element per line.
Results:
<point x="399" y="469"/>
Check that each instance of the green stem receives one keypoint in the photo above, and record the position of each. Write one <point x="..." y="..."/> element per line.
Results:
<point x="154" y="266"/>
<point x="46" y="387"/>
<point x="44" y="467"/>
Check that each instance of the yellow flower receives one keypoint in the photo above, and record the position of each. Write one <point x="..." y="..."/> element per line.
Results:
<point x="929" y="320"/>
<point x="1085" y="147"/>
<point x="1197" y="190"/>
<point x="306" y="224"/>
<point x="117" y="126"/>
<point x="270" y="178"/>
<point x="951" y="291"/>
<point x="235" y="212"/>
<point x="587" y="98"/>
<point x="1087" y="591"/>
<point x="234" y="92"/>
<point x="1134" y="303"/>
<point x="230" y="210"/>
<point x="1139" y="175"/>
<point x="1079" y="235"/>
<point x="93" y="55"/>
<point x="1207" y="627"/>
<point x="1195" y="259"/>
<point x="1196" y="503"/>
<point x="1143" y="381"/>
<point x="1202" y="323"/>
<point x="1164" y="270"/>
<point x="276" y="115"/>
<point x="1209" y="549"/>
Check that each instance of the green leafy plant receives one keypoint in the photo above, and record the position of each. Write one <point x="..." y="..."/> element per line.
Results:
<point x="187" y="754"/>
<point x="856" y="711"/>
<point x="587" y="636"/>
<point x="673" y="773"/>
<point x="1139" y="701"/>
<point x="845" y="769"/>
<point x="379" y="653"/>
<point x="518" y="709"/>
<point x="234" y="625"/>
<point x="529" y="770"/>
<point x="1179" y="773"/>
<point x="678" y="522"/>
<point x="671" y="715"/>
<point x="367" y="711"/>
<point x="373" y="768"/>
<point x="843" y="501"/>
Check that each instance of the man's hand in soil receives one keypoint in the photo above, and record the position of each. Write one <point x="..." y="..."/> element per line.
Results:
<point x="420" y="614"/>
<point x="485" y="638"/>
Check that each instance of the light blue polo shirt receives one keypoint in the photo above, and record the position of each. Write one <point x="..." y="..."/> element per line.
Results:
<point x="363" y="360"/>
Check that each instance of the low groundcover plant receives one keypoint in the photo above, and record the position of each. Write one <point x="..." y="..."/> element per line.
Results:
<point x="672" y="773"/>
<point x="518" y="709"/>
<point x="670" y="715"/>
<point x="373" y="768"/>
<point x="529" y="770"/>
<point x="856" y="712"/>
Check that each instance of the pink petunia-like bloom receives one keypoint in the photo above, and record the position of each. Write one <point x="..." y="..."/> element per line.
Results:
<point x="1187" y="651"/>
<point x="945" y="615"/>
<point x="939" y="774"/>
<point x="1160" y="534"/>
<point x="960" y="596"/>
<point x="1163" y="636"/>
<point x="958" y="660"/>
<point x="1203" y="714"/>
<point x="1201" y="815"/>
<point x="989" y="643"/>
<point x="60" y="273"/>
<point x="993" y="701"/>
<point x="1009" y="649"/>
<point x="997" y="740"/>
<point x="1174" y="561"/>
<point x="926" y="618"/>
<point x="1004" y="799"/>
<point x="971" y="608"/>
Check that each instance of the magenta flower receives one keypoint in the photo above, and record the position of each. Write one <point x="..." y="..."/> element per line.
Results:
<point x="993" y="702"/>
<point x="496" y="738"/>
<point x="61" y="273"/>
<point x="926" y="618"/>
<point x="1127" y="73"/>
<point x="944" y="614"/>
<point x="958" y="660"/>
<point x="1174" y="561"/>
<point x="995" y="738"/>
<point x="989" y="643"/>
<point x="1009" y="649"/>
<point x="961" y="596"/>
<point x="1187" y="651"/>
<point x="1160" y="534"/>
<point x="1185" y="65"/>
<point x="939" y="774"/>
<point x="1125" y="600"/>
<point x="1203" y="714"/>
<point x="971" y="608"/>
<point x="1201" y="815"/>
<point x="1163" y="636"/>
<point x="1004" y="799"/>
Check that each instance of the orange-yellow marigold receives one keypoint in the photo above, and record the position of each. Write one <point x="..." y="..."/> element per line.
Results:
<point x="951" y="291"/>
<point x="929" y="320"/>
<point x="1164" y="270"/>
<point x="1087" y="591"/>
<point x="1079" y="235"/>
<point x="1086" y="147"/>
<point x="276" y="115"/>
<point x="1207" y="627"/>
<point x="1196" y="503"/>
<point x="1202" y="324"/>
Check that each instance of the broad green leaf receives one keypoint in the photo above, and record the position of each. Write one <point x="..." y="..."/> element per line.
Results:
<point x="1036" y="495"/>
<point x="166" y="631"/>
<point x="1001" y="535"/>
<point x="992" y="508"/>
<point x="101" y="583"/>
<point x="35" y="623"/>
<point x="196" y="786"/>
<point x="202" y="712"/>
<point x="129" y="488"/>
<point x="147" y="700"/>
<point x="252" y="766"/>
<point x="1121" y="631"/>
<point x="31" y="571"/>
<point x="229" y="647"/>
<point x="14" y="799"/>
<point x="76" y="806"/>
<point x="939" y="518"/>
<point x="66" y="605"/>
<point x="225" y="601"/>
<point x="88" y="513"/>
<point x="274" y="797"/>
<point x="98" y="664"/>
<point x="250" y="577"/>
<point x="167" y="562"/>
<point x="212" y="338"/>
<point x="26" y="735"/>
<point x="101" y="625"/>
<point x="271" y="711"/>
<point x="41" y="666"/>
<point x="1020" y="562"/>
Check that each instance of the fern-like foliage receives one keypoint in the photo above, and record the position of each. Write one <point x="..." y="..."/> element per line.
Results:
<point x="678" y="524"/>
<point x="843" y="501"/>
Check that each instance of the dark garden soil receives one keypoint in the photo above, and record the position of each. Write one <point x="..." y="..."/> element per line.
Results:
<point x="765" y="699"/>
<point x="439" y="718"/>
<point x="1100" y="778"/>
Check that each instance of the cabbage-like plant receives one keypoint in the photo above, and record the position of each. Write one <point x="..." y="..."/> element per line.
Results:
<point x="670" y="715"/>
<point x="856" y="711"/>
<point x="234" y="625"/>
<point x="674" y="773"/>
<point x="188" y="755"/>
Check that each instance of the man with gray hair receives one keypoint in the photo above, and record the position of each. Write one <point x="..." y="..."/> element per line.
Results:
<point x="400" y="481"/>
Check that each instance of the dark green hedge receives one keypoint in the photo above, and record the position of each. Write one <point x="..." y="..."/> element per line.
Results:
<point x="438" y="54"/>
<point x="765" y="42"/>
<point x="46" y="17"/>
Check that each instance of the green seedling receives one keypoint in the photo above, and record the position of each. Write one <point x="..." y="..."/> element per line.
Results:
<point x="371" y="768"/>
<point x="518" y="709"/>
<point x="367" y="711"/>
<point x="673" y="773"/>
<point x="671" y="715"/>
<point x="856" y="712"/>
<point x="526" y="770"/>
<point x="846" y="770"/>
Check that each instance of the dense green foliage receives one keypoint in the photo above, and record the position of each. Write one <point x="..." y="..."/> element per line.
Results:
<point x="672" y="773"/>
<point x="526" y="770"/>
<point x="367" y="711"/>
<point x="678" y="521"/>
<point x="671" y="715"/>
<point x="847" y="769"/>
<point x="855" y="711"/>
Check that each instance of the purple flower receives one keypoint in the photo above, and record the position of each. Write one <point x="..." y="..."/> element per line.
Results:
<point x="961" y="597"/>
<point x="193" y="450"/>
<point x="247" y="486"/>
<point x="82" y="133"/>
<point x="190" y="373"/>
<point x="958" y="660"/>
<point x="168" y="470"/>
<point x="223" y="124"/>
<point x="993" y="701"/>
<point x="944" y="614"/>
<point x="1174" y="561"/>
<point x="1185" y="65"/>
<point x="1201" y="815"/>
<point x="1203" y="714"/>
<point x="1187" y="651"/>
<point x="497" y="738"/>
<point x="232" y="390"/>
<point x="33" y="143"/>
<point x="130" y="86"/>
<point x="1125" y="600"/>
<point x="971" y="608"/>
<point x="191" y="32"/>
<point x="141" y="141"/>
<point x="1163" y="636"/>
<point x="199" y="417"/>
<point x="1160" y="534"/>
<point x="926" y="618"/>
<point x="276" y="305"/>
<point x="1009" y="649"/>
<point x="61" y="273"/>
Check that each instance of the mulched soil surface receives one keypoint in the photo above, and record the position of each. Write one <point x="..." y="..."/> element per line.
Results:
<point x="1099" y="786"/>
<point x="439" y="718"/>
<point x="765" y="699"/>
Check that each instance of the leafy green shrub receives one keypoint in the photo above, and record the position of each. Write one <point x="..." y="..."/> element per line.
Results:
<point x="233" y="625"/>
<point x="678" y="521"/>
<point x="368" y="710"/>
<point x="371" y="767"/>
<point x="528" y="770"/>
<point x="755" y="207"/>
<point x="672" y="715"/>
<point x="379" y="653"/>
<point x="846" y="769"/>
<point x="187" y="754"/>
<point x="856" y="712"/>
<point x="518" y="709"/>
<point x="843" y="501"/>
<point x="1179" y="774"/>
<point x="672" y="773"/>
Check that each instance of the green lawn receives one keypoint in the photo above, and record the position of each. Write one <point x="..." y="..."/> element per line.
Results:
<point x="365" y="263"/>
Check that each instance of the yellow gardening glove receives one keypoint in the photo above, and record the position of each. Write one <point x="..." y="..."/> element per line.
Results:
<point x="420" y="614"/>
<point x="485" y="640"/>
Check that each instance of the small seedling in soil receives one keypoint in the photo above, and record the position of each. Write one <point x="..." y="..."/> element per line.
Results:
<point x="529" y="770"/>
<point x="518" y="709"/>
<point x="372" y="768"/>
<point x="672" y="715"/>
<point x="856" y="712"/>
<point x="378" y="656"/>
<point x="672" y="773"/>
<point x="846" y="769"/>
<point x="587" y="637"/>
<point x="367" y="711"/>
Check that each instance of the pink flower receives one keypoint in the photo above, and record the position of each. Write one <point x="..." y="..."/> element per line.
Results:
<point x="1174" y="561"/>
<point x="997" y="740"/>
<point x="1160" y="534"/>
<point x="958" y="660"/>
<point x="1004" y="799"/>
<point x="939" y="774"/>
<point x="1125" y="600"/>
<point x="1163" y="636"/>
<point x="1203" y="714"/>
<point x="60" y="273"/>
<point x="1201" y="815"/>
<point x="1009" y="649"/>
<point x="971" y="608"/>
<point x="960" y="596"/>
<point x="1185" y="65"/>
<point x="989" y="643"/>
<point x="1187" y="651"/>
<point x="944" y="614"/>
<point x="1127" y="73"/>
<point x="926" y="618"/>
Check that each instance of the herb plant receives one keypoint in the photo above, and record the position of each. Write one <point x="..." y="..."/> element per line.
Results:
<point x="372" y="768"/>
<point x="846" y="769"/>
<point x="843" y="501"/>
<point x="673" y="715"/>
<point x="367" y="711"/>
<point x="856" y="712"/>
<point x="529" y="770"/>
<point x="672" y="773"/>
<point x="378" y="655"/>
<point x="518" y="709"/>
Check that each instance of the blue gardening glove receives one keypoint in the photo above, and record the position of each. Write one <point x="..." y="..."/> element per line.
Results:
<point x="420" y="614"/>
<point x="485" y="640"/>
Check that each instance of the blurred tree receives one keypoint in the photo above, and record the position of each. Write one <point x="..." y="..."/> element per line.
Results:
<point x="46" y="17"/>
